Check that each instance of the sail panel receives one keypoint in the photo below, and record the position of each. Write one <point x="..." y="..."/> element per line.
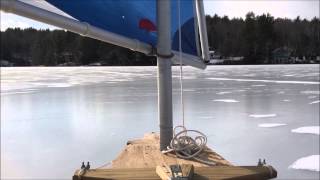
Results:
<point x="45" y="5"/>
<point x="134" y="19"/>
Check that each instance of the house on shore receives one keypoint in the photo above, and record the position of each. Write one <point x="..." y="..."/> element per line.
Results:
<point x="215" y="58"/>
<point x="281" y="56"/>
<point x="5" y="63"/>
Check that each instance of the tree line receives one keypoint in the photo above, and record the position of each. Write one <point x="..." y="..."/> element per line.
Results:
<point x="254" y="38"/>
<point x="31" y="47"/>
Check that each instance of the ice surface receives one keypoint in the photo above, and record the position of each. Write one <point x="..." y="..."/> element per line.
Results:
<point x="118" y="102"/>
<point x="314" y="102"/>
<point x="105" y="101"/>
<point x="310" y="163"/>
<point x="12" y="93"/>
<point x="307" y="130"/>
<point x="270" y="125"/>
<point x="262" y="115"/>
<point x="249" y="75"/>
<point x="226" y="100"/>
<point x="46" y="77"/>
<point x="267" y="81"/>
<point x="19" y="92"/>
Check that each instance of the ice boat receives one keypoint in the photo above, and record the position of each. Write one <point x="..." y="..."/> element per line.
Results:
<point x="175" y="32"/>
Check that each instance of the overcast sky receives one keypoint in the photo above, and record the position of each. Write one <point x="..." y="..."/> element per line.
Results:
<point x="232" y="8"/>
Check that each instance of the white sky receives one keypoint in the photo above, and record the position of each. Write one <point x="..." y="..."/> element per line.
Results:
<point x="232" y="8"/>
<point x="277" y="8"/>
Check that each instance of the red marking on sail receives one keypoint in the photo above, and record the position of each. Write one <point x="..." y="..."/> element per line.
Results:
<point x="147" y="25"/>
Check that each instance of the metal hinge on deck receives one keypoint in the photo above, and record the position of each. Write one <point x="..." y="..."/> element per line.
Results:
<point x="175" y="172"/>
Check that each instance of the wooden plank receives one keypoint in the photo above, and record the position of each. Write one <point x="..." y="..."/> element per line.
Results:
<point x="163" y="172"/>
<point x="187" y="170"/>
<point x="200" y="173"/>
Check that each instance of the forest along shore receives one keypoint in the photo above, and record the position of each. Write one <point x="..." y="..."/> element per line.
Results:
<point x="259" y="39"/>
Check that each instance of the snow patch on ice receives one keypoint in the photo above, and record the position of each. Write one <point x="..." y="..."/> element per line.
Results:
<point x="189" y="90"/>
<point x="266" y="81"/>
<point x="206" y="117"/>
<point x="17" y="92"/>
<point x="314" y="102"/>
<point x="249" y="75"/>
<point x="59" y="85"/>
<point x="258" y="85"/>
<point x="310" y="92"/>
<point x="307" y="130"/>
<point x="262" y="115"/>
<point x="270" y="125"/>
<point x="225" y="92"/>
<point x="310" y="163"/>
<point x="226" y="100"/>
<point x="312" y="97"/>
<point x="286" y="100"/>
<point x="241" y="90"/>
<point x="289" y="75"/>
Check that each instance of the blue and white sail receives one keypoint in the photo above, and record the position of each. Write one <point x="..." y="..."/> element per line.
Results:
<point x="134" y="19"/>
<point x="132" y="23"/>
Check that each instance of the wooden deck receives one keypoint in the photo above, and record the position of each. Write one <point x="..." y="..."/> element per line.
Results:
<point x="145" y="153"/>
<point x="140" y="158"/>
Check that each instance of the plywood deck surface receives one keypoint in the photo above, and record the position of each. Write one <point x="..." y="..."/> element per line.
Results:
<point x="145" y="153"/>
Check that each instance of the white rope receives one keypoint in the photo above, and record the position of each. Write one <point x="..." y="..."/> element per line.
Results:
<point x="187" y="147"/>
<point x="180" y="58"/>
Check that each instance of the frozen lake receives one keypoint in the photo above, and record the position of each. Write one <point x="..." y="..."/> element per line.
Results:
<point x="53" y="118"/>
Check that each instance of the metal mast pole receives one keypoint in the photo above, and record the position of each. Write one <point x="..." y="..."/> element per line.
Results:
<point x="203" y="30"/>
<point x="164" y="72"/>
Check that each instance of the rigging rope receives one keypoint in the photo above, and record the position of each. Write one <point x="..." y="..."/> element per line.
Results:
<point x="187" y="147"/>
<point x="182" y="144"/>
<point x="180" y="58"/>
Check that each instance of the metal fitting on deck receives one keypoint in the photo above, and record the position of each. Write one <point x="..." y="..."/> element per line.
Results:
<point x="262" y="163"/>
<point x="88" y="166"/>
<point x="83" y="166"/>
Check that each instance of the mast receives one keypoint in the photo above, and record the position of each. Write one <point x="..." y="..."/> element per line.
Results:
<point x="164" y="73"/>
<point x="203" y="30"/>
